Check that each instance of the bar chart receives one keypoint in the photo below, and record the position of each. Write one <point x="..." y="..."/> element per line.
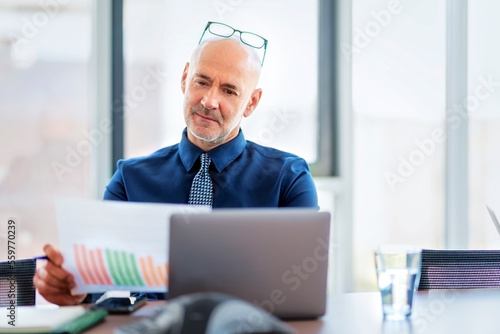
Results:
<point x="118" y="268"/>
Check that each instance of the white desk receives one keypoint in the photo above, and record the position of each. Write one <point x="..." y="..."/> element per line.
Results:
<point x="437" y="312"/>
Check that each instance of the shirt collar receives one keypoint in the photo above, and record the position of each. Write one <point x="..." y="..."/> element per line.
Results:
<point x="221" y="156"/>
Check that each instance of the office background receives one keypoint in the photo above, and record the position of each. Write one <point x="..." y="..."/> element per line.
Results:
<point x="374" y="94"/>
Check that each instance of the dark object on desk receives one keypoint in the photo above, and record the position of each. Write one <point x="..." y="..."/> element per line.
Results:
<point x="120" y="304"/>
<point x="208" y="313"/>
<point x="460" y="269"/>
<point x="18" y="273"/>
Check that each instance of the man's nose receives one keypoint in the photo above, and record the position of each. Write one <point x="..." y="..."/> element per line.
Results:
<point x="211" y="98"/>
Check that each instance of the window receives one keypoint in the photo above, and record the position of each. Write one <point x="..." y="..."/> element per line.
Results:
<point x="483" y="99"/>
<point x="398" y="96"/>
<point x="44" y="115"/>
<point x="159" y="38"/>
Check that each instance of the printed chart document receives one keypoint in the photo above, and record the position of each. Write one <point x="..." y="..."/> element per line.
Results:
<point x="38" y="319"/>
<point x="112" y="245"/>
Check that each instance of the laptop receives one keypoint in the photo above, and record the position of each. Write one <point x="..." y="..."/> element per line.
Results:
<point x="274" y="258"/>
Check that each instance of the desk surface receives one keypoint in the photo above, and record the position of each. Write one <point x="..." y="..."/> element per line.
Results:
<point x="471" y="311"/>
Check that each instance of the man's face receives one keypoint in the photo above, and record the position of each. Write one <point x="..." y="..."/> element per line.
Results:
<point x="219" y="89"/>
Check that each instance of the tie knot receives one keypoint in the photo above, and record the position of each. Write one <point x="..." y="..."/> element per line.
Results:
<point x="202" y="188"/>
<point x="205" y="161"/>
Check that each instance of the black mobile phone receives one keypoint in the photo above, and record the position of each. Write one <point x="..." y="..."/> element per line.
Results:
<point x="121" y="304"/>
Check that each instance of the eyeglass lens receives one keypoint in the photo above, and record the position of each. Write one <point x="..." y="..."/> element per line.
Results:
<point x="223" y="30"/>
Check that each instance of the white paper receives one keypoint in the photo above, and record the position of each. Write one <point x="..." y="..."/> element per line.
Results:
<point x="38" y="319"/>
<point x="113" y="245"/>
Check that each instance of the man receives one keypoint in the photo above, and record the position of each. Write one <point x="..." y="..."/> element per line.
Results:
<point x="219" y="87"/>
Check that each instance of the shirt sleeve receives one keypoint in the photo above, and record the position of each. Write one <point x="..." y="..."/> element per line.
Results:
<point x="115" y="190"/>
<point x="300" y="190"/>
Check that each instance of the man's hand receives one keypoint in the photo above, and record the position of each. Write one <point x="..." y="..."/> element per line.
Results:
<point x="53" y="282"/>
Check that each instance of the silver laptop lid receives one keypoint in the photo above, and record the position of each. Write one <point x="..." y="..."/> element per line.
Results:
<point x="275" y="258"/>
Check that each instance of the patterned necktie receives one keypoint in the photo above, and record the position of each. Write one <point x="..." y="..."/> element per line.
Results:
<point x="202" y="189"/>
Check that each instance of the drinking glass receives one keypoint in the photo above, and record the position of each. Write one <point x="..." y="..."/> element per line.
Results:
<point x="398" y="272"/>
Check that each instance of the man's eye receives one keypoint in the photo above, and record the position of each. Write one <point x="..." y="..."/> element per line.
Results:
<point x="230" y="92"/>
<point x="201" y="83"/>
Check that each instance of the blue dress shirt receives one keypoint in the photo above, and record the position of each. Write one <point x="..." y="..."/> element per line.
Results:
<point x="244" y="174"/>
